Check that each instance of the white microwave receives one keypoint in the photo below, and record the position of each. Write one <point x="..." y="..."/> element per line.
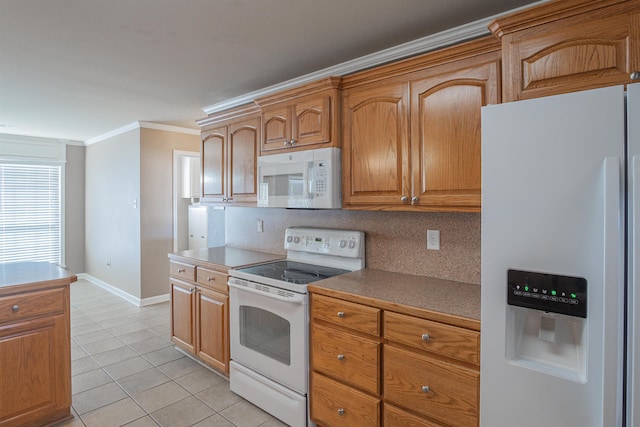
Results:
<point x="308" y="179"/>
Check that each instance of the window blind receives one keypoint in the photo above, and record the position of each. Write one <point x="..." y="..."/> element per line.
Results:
<point x="30" y="213"/>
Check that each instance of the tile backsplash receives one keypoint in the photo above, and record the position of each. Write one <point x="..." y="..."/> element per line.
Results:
<point x="395" y="241"/>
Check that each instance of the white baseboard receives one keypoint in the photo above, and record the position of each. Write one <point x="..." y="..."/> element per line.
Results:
<point x="122" y="294"/>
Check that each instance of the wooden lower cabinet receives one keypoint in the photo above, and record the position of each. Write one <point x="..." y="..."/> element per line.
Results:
<point x="372" y="366"/>
<point x="396" y="417"/>
<point x="436" y="389"/>
<point x="200" y="315"/>
<point x="212" y="311"/>
<point x="334" y="404"/>
<point x="35" y="352"/>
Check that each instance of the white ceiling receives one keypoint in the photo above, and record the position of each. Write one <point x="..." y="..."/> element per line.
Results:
<point x="77" y="69"/>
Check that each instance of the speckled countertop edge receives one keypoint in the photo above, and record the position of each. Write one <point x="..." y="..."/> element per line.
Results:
<point x="420" y="293"/>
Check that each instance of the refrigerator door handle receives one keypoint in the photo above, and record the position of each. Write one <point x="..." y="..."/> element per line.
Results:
<point x="633" y="290"/>
<point x="613" y="288"/>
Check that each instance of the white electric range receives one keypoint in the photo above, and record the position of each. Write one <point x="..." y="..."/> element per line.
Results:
<point x="269" y="318"/>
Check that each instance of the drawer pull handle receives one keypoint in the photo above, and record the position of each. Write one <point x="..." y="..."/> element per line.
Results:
<point x="426" y="337"/>
<point x="181" y="270"/>
<point x="341" y="357"/>
<point x="15" y="308"/>
<point x="341" y="314"/>
<point x="425" y="389"/>
<point x="209" y="279"/>
<point x="341" y="411"/>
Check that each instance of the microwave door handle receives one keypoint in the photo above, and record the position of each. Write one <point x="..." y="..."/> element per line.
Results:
<point x="295" y="299"/>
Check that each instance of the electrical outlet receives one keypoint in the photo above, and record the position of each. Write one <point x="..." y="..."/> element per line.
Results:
<point x="433" y="240"/>
<point x="260" y="226"/>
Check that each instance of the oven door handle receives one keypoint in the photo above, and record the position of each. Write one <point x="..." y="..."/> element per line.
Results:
<point x="295" y="299"/>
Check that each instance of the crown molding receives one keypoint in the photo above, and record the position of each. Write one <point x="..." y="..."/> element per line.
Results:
<point x="141" y="125"/>
<point x="425" y="44"/>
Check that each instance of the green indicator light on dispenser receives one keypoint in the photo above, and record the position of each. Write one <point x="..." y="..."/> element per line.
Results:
<point x="553" y="293"/>
<point x="526" y="288"/>
<point x="574" y="296"/>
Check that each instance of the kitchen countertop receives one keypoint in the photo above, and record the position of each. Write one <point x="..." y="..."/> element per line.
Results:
<point x="225" y="256"/>
<point x="29" y="273"/>
<point x="427" y="297"/>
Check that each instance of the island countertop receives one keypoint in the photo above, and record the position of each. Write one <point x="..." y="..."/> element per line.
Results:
<point x="224" y="256"/>
<point x="426" y="297"/>
<point x="33" y="273"/>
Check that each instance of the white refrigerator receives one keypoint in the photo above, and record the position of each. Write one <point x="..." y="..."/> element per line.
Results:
<point x="560" y="247"/>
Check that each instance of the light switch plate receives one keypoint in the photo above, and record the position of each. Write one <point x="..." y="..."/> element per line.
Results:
<point x="433" y="240"/>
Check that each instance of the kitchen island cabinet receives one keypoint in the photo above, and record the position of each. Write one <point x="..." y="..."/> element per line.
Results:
<point x="394" y="349"/>
<point x="569" y="45"/>
<point x="35" y="344"/>
<point x="200" y="300"/>
<point x="411" y="130"/>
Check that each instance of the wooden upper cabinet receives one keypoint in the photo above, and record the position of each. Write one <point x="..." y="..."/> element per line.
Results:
<point x="301" y="118"/>
<point x="569" y="45"/>
<point x="244" y="140"/>
<point x="213" y="150"/>
<point x="412" y="141"/>
<point x="375" y="155"/>
<point x="229" y="151"/>
<point x="445" y="134"/>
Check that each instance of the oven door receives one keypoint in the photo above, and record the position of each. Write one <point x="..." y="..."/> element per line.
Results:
<point x="268" y="333"/>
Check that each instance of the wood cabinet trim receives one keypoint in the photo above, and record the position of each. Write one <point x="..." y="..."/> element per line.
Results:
<point x="218" y="118"/>
<point x="318" y="86"/>
<point x="553" y="11"/>
<point x="450" y="56"/>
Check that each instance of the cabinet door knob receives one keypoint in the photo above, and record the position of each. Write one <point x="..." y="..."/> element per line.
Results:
<point x="404" y="198"/>
<point x="286" y="142"/>
<point x="341" y="357"/>
<point x="425" y="389"/>
<point x="192" y="290"/>
<point x="414" y="199"/>
<point x="635" y="75"/>
<point x="425" y="337"/>
<point x="15" y="308"/>
<point x="341" y="314"/>
<point x="341" y="411"/>
<point x="292" y="142"/>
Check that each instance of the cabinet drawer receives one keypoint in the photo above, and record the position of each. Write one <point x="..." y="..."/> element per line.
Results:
<point x="441" y="391"/>
<point x="182" y="271"/>
<point x="348" y="314"/>
<point x="334" y="404"/>
<point x="212" y="279"/>
<point x="446" y="340"/>
<point x="396" y="417"/>
<point x="353" y="359"/>
<point x="31" y="304"/>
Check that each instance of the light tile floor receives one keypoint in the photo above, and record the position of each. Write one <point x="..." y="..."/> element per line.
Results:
<point x="126" y="371"/>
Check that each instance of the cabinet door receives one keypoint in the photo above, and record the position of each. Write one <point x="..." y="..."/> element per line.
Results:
<point x="212" y="326"/>
<point x="375" y="155"/>
<point x="445" y="135"/>
<point x="311" y="122"/>
<point x="183" y="315"/>
<point x="567" y="55"/>
<point x="244" y="140"/>
<point x="444" y="392"/>
<point x="277" y="127"/>
<point x="214" y="145"/>
<point x="34" y="370"/>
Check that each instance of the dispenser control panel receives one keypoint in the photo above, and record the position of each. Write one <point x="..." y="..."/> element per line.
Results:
<point x="547" y="292"/>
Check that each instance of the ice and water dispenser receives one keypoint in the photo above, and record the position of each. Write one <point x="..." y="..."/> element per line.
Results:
<point x="547" y="323"/>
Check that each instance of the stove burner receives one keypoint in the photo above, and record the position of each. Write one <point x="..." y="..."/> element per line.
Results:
<point x="300" y="277"/>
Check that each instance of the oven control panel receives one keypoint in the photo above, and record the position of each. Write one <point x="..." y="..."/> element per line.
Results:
<point x="343" y="243"/>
